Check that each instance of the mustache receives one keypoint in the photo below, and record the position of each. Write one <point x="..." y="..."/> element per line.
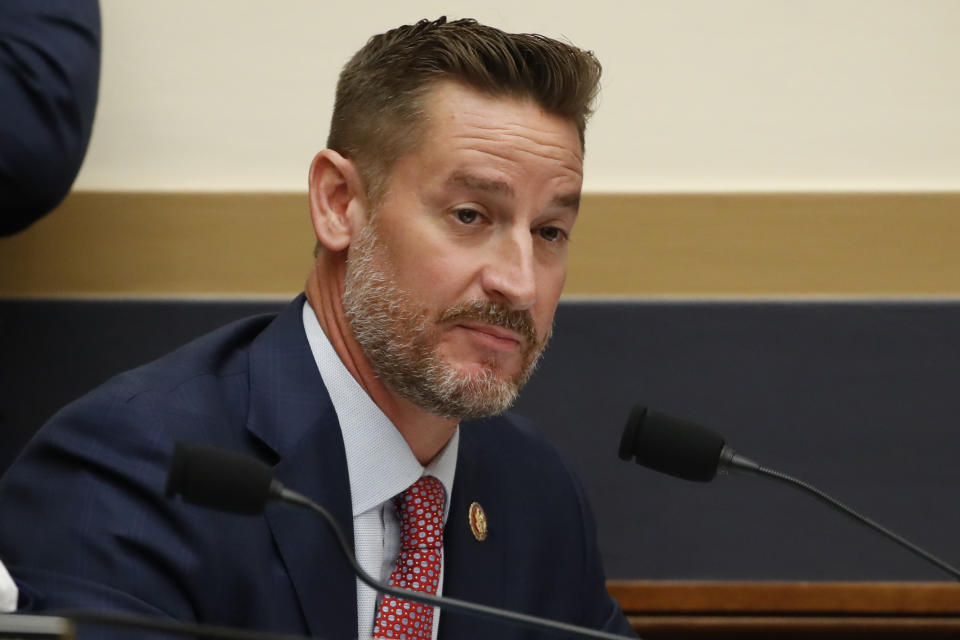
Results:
<point x="494" y="313"/>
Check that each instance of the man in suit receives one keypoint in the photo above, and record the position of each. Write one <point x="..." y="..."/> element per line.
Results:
<point x="442" y="210"/>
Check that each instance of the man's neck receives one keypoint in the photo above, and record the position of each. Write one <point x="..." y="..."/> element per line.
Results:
<point x="425" y="433"/>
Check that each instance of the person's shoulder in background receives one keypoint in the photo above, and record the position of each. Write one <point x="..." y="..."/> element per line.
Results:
<point x="49" y="77"/>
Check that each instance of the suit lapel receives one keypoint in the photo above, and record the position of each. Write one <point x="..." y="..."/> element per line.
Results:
<point x="473" y="569"/>
<point x="291" y="413"/>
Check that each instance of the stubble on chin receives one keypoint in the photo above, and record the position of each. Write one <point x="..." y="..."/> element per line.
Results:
<point x="400" y="339"/>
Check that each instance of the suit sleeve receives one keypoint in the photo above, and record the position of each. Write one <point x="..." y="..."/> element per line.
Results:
<point x="84" y="521"/>
<point x="601" y="610"/>
<point x="49" y="76"/>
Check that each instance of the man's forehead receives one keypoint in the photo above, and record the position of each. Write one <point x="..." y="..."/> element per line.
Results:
<point x="451" y="102"/>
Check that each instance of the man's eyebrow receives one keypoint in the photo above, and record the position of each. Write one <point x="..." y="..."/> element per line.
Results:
<point x="567" y="201"/>
<point x="499" y="187"/>
<point x="471" y="181"/>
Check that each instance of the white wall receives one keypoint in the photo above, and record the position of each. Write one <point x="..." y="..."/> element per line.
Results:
<point x="699" y="95"/>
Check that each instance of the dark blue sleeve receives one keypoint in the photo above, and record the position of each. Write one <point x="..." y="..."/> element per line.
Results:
<point x="49" y="74"/>
<point x="83" y="520"/>
<point x="601" y="611"/>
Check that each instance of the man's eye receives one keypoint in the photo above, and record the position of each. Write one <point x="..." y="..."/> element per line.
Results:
<point x="553" y="234"/>
<point x="467" y="216"/>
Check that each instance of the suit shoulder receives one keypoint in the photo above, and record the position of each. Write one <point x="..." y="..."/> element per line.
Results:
<point x="512" y="444"/>
<point x="506" y="429"/>
<point x="199" y="388"/>
<point x="220" y="353"/>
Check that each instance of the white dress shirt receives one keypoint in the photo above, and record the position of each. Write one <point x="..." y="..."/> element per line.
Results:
<point x="380" y="465"/>
<point x="8" y="592"/>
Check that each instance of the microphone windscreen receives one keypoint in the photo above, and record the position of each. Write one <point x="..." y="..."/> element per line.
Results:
<point x="671" y="445"/>
<point x="218" y="479"/>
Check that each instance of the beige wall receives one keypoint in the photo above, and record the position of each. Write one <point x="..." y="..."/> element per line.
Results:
<point x="735" y="95"/>
<point x="211" y="110"/>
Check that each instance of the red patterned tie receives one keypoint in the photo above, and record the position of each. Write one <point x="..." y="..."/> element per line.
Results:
<point x="418" y="566"/>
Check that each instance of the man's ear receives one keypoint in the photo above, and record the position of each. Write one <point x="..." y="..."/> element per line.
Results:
<point x="337" y="200"/>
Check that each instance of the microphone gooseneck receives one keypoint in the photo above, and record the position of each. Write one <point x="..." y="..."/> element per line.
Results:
<point x="823" y="497"/>
<point x="693" y="452"/>
<point x="227" y="474"/>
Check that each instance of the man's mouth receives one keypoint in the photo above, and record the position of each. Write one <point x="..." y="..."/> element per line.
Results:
<point x="494" y="336"/>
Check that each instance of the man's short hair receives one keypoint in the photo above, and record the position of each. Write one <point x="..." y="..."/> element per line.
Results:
<point x="378" y="114"/>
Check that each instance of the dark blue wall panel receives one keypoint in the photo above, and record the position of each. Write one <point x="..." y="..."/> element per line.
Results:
<point x="858" y="398"/>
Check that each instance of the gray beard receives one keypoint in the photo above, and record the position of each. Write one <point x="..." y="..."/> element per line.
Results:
<point x="399" y="339"/>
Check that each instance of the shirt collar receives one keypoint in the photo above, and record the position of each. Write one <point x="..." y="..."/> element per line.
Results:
<point x="379" y="461"/>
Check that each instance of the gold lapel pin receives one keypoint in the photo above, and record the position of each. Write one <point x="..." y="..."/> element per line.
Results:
<point x="478" y="522"/>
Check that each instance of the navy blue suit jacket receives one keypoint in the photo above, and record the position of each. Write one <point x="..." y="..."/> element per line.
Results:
<point x="83" y="520"/>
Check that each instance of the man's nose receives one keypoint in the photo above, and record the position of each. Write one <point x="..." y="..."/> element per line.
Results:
<point x="510" y="276"/>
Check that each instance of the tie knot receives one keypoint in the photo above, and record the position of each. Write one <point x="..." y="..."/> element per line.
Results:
<point x="420" y="508"/>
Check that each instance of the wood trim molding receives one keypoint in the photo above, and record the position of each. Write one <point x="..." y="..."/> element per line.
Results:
<point x="115" y="244"/>
<point x="658" y="597"/>
<point x="794" y="628"/>
<point x="662" y="610"/>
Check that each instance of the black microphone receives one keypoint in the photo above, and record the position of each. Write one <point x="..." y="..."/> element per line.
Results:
<point x="693" y="452"/>
<point x="213" y="478"/>
<point x="677" y="447"/>
<point x="220" y="479"/>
